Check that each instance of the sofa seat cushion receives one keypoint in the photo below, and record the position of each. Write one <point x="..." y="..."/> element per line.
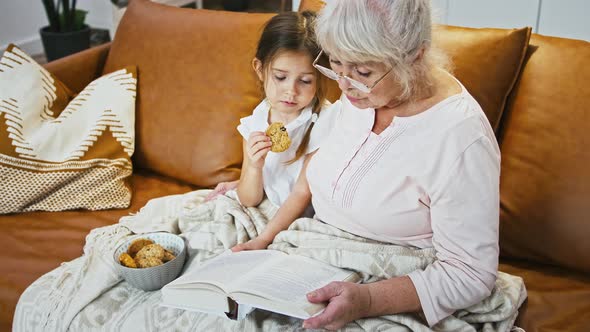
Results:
<point x="558" y="300"/>
<point x="38" y="242"/>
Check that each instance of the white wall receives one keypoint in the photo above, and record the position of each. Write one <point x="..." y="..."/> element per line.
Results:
<point x="565" y="18"/>
<point x="562" y="18"/>
<point x="20" y="21"/>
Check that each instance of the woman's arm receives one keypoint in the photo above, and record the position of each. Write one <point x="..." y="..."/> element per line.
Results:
<point x="464" y="210"/>
<point x="251" y="188"/>
<point x="291" y="209"/>
<point x="350" y="301"/>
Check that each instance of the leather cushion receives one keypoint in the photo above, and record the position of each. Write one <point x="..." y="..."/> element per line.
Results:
<point x="313" y="5"/>
<point x="487" y="62"/>
<point x="545" y="191"/>
<point x="38" y="242"/>
<point x="195" y="82"/>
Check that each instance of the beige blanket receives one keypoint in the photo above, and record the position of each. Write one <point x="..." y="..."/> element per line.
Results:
<point x="87" y="294"/>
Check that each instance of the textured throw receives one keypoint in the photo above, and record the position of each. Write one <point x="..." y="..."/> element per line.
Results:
<point x="61" y="154"/>
<point x="86" y="293"/>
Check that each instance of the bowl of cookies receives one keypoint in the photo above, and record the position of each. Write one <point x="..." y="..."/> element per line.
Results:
<point x="150" y="261"/>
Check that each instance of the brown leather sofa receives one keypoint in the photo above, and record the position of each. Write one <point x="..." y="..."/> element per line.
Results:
<point x="195" y="82"/>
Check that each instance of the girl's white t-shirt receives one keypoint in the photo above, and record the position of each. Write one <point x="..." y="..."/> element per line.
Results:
<point x="279" y="177"/>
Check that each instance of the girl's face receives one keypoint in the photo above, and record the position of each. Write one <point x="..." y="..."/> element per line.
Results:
<point x="385" y="92"/>
<point x="290" y="81"/>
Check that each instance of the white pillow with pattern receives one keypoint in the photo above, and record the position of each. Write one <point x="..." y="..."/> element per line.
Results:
<point x="60" y="151"/>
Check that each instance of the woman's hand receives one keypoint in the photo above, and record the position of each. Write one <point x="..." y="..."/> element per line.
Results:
<point x="257" y="243"/>
<point x="257" y="147"/>
<point x="221" y="189"/>
<point x="347" y="301"/>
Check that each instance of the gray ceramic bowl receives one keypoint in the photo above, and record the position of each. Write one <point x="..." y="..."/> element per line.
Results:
<point x="152" y="278"/>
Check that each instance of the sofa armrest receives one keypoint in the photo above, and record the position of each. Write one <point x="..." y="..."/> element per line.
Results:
<point x="77" y="70"/>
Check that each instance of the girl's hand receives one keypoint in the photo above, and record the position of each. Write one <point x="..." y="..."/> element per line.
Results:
<point x="347" y="301"/>
<point x="258" y="146"/>
<point x="257" y="243"/>
<point x="221" y="189"/>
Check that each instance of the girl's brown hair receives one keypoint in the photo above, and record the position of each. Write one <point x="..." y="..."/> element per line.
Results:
<point x="292" y="31"/>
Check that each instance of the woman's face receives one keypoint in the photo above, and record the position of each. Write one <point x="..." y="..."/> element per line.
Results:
<point x="386" y="91"/>
<point x="290" y="81"/>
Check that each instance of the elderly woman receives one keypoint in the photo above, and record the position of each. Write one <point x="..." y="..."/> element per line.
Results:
<point x="412" y="160"/>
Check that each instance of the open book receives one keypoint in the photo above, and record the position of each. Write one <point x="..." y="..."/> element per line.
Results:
<point x="265" y="279"/>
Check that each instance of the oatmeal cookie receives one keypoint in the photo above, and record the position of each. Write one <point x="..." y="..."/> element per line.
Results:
<point x="278" y="136"/>
<point x="148" y="262"/>
<point x="136" y="246"/>
<point x="168" y="256"/>
<point x="127" y="260"/>
<point x="151" y="250"/>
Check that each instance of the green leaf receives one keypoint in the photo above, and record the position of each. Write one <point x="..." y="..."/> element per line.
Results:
<point x="79" y="19"/>
<point x="78" y="24"/>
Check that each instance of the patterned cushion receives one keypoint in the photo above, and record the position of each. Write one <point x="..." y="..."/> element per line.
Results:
<point x="59" y="151"/>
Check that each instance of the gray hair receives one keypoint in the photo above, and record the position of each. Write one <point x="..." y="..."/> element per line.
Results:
<point x="386" y="31"/>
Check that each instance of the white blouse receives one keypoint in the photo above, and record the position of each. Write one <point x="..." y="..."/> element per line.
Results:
<point x="428" y="180"/>
<point x="277" y="176"/>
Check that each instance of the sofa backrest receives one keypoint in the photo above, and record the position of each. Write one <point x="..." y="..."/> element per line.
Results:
<point x="195" y="81"/>
<point x="545" y="138"/>
<point x="487" y="62"/>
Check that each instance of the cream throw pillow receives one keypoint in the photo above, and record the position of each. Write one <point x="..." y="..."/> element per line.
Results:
<point x="61" y="154"/>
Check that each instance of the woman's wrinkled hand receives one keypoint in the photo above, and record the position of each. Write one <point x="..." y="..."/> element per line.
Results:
<point x="347" y="301"/>
<point x="257" y="147"/>
<point x="257" y="243"/>
<point x="221" y="189"/>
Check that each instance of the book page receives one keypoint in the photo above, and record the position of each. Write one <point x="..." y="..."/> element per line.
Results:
<point x="289" y="279"/>
<point x="225" y="269"/>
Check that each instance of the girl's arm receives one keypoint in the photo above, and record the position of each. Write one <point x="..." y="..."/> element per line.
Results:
<point x="293" y="208"/>
<point x="250" y="188"/>
<point x="221" y="189"/>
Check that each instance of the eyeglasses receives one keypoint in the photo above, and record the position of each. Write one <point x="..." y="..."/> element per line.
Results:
<point x="335" y="76"/>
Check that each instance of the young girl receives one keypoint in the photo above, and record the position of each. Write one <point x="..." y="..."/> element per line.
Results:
<point x="295" y="95"/>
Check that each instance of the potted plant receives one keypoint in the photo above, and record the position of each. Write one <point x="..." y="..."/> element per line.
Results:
<point x="66" y="33"/>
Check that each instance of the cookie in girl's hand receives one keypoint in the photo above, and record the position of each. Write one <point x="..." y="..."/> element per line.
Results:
<point x="278" y="137"/>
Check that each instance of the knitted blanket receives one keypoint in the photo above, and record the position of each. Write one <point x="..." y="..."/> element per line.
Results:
<point x="87" y="294"/>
